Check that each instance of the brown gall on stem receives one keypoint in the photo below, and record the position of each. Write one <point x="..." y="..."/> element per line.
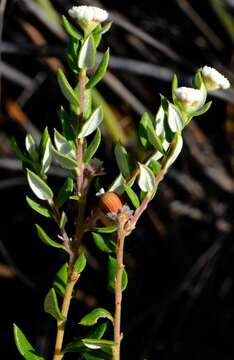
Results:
<point x="110" y="202"/>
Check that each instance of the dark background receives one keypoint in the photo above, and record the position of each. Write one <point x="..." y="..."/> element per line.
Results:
<point x="180" y="259"/>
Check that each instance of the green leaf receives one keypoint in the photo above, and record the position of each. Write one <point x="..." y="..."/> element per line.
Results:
<point x="146" y="180"/>
<point x="175" y="120"/>
<point x="64" y="161"/>
<point x="18" y="152"/>
<point x="132" y="196"/>
<point x="95" y="344"/>
<point x="153" y="138"/>
<point x="102" y="243"/>
<point x="51" y="305"/>
<point x="64" y="192"/>
<point x="80" y="263"/>
<point x="159" y="121"/>
<point x="123" y="160"/>
<point x="174" y="150"/>
<point x="63" y="221"/>
<point x="60" y="281"/>
<point x="70" y="29"/>
<point x="100" y="72"/>
<point x="197" y="80"/>
<point x="31" y="147"/>
<point x="24" y="346"/>
<point x="46" y="151"/>
<point x="92" y="147"/>
<point x="92" y="123"/>
<point x="112" y="268"/>
<point x="203" y="109"/>
<point x="98" y="331"/>
<point x="67" y="126"/>
<point x="46" y="239"/>
<point x="106" y="27"/>
<point x="174" y="86"/>
<point x="143" y="134"/>
<point x="118" y="185"/>
<point x="41" y="209"/>
<point x="66" y="88"/>
<point x="96" y="314"/>
<point x="106" y="230"/>
<point x="38" y="186"/>
<point x="155" y="166"/>
<point x="63" y="145"/>
<point x="72" y="54"/>
<point x="87" y="55"/>
<point x="97" y="35"/>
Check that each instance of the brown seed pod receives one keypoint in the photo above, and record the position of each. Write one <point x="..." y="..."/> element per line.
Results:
<point x="110" y="202"/>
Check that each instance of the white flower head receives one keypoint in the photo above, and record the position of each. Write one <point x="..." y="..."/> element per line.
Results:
<point x="213" y="79"/>
<point x="88" y="13"/>
<point x="191" y="99"/>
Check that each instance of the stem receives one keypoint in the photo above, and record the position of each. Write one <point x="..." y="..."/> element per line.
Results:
<point x="58" y="355"/>
<point x="118" y="296"/>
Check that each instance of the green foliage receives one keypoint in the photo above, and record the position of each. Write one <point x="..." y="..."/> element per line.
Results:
<point x="100" y="72"/>
<point x="70" y="29"/>
<point x="46" y="239"/>
<point x="92" y="123"/>
<point x="87" y="54"/>
<point x="92" y="147"/>
<point x="41" y="209"/>
<point x="66" y="88"/>
<point x="96" y="314"/>
<point x="46" y="151"/>
<point x="51" y="305"/>
<point x="39" y="187"/>
<point x="24" y="346"/>
<point x="65" y="192"/>
<point x="104" y="243"/>
<point x="63" y="221"/>
<point x="60" y="281"/>
<point x="64" y="161"/>
<point x="80" y="263"/>
<point x="143" y="133"/>
<point x="31" y="147"/>
<point x="132" y="196"/>
<point x="123" y="160"/>
<point x="146" y="180"/>
<point x="106" y="229"/>
<point x="112" y="268"/>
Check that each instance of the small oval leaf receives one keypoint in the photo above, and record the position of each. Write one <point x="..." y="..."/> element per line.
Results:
<point x="96" y="314"/>
<point x="87" y="55"/>
<point x="101" y="243"/>
<point x="132" y="196"/>
<point x="38" y="186"/>
<point x="146" y="180"/>
<point x="66" y="88"/>
<point x="80" y="263"/>
<point x="64" y="161"/>
<point x="123" y="160"/>
<point x="93" y="146"/>
<point x="100" y="72"/>
<point x="70" y="29"/>
<point x="112" y="268"/>
<point x="46" y="239"/>
<point x="175" y="120"/>
<point x="24" y="346"/>
<point x="39" y="208"/>
<point x="51" y="305"/>
<point x="92" y="123"/>
<point x="65" y="192"/>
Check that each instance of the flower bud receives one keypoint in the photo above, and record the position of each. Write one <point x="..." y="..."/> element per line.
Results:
<point x="213" y="80"/>
<point x="110" y="202"/>
<point x="189" y="98"/>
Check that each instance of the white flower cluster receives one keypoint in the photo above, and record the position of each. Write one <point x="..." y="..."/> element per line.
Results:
<point x="213" y="79"/>
<point x="88" y="13"/>
<point x="191" y="99"/>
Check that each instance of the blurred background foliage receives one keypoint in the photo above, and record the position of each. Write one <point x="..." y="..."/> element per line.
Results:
<point x="180" y="259"/>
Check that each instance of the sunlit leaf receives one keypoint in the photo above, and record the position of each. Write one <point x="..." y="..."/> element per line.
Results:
<point x="41" y="209"/>
<point x="92" y="123"/>
<point x="96" y="314"/>
<point x="51" y="305"/>
<point x="112" y="268"/>
<point x="87" y="55"/>
<point x="46" y="239"/>
<point x="146" y="180"/>
<point x="100" y="72"/>
<point x="24" y="346"/>
<point x="38" y="186"/>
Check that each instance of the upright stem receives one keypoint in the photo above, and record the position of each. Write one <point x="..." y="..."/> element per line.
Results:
<point x="74" y="248"/>
<point x="58" y="355"/>
<point x="118" y="296"/>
